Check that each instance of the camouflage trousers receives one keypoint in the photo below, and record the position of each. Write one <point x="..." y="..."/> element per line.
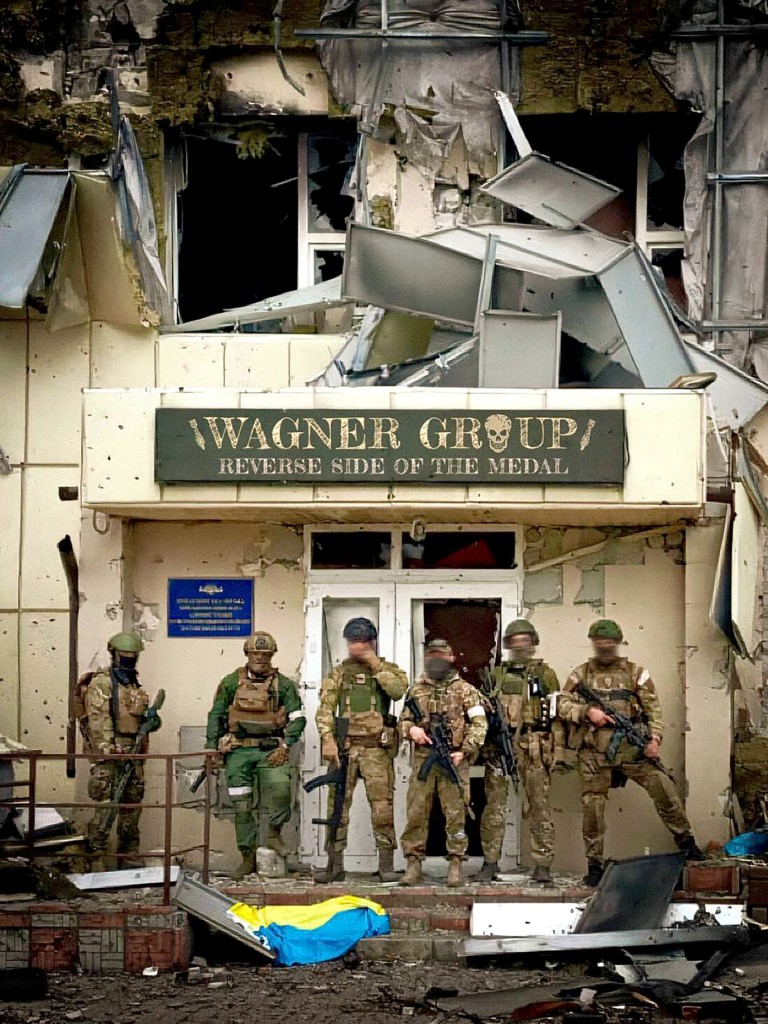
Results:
<point x="421" y="796"/>
<point x="534" y="765"/>
<point x="258" y="791"/>
<point x="101" y="785"/>
<point x="596" y="775"/>
<point x="374" y="765"/>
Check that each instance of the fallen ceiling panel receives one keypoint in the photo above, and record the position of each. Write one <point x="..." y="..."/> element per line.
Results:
<point x="555" y="193"/>
<point x="324" y="295"/>
<point x="29" y="206"/>
<point x="712" y="935"/>
<point x="416" y="275"/>
<point x="632" y="893"/>
<point x="211" y="906"/>
<point x="645" y="322"/>
<point x="536" y="249"/>
<point x="736" y="397"/>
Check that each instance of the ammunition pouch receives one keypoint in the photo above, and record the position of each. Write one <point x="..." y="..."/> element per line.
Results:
<point x="366" y="725"/>
<point x="133" y="701"/>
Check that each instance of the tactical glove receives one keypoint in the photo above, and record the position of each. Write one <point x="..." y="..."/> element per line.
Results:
<point x="279" y="756"/>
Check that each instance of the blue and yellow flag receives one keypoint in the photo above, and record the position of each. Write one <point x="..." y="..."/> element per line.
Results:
<point x="309" y="935"/>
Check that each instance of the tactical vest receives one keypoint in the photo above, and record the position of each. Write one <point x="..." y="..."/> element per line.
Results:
<point x="362" y="701"/>
<point x="133" y="701"/>
<point x="615" y="684"/>
<point x="445" y="699"/>
<point x="255" y="709"/>
<point x="512" y="682"/>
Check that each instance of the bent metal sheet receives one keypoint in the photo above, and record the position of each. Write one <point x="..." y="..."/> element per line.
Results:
<point x="495" y="446"/>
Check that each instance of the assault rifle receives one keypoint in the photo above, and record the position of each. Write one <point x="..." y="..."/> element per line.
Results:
<point x="439" y="731"/>
<point x="150" y="723"/>
<point x="499" y="731"/>
<point x="624" y="728"/>
<point x="336" y="777"/>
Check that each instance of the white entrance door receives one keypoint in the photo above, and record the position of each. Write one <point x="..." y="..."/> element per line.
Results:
<point x="397" y="609"/>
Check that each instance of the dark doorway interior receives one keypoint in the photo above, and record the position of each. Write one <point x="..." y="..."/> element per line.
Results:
<point x="472" y="629"/>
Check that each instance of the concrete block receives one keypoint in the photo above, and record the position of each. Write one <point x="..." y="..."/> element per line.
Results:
<point x="447" y="950"/>
<point x="410" y="947"/>
<point x="190" y="361"/>
<point x="122" y="357"/>
<point x="13" y="374"/>
<point x="58" y="370"/>
<point x="14" y="947"/>
<point x="409" y="919"/>
<point x="118" y="458"/>
<point x="257" y="361"/>
<point x="46" y="521"/>
<point x="44" y="645"/>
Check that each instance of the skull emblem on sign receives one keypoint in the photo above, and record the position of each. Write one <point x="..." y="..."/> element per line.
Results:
<point x="498" y="428"/>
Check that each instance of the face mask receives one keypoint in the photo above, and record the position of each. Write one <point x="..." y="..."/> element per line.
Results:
<point x="521" y="653"/>
<point x="124" y="668"/>
<point x="604" y="655"/>
<point x="438" y="668"/>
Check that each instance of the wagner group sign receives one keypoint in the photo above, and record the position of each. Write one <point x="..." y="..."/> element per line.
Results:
<point x="410" y="446"/>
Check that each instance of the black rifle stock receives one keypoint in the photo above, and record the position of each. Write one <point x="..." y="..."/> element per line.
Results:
<point x="499" y="731"/>
<point x="150" y="723"/>
<point x="336" y="777"/>
<point x="623" y="728"/>
<point x="439" y="756"/>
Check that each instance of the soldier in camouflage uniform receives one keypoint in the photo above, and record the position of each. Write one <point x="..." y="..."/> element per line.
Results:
<point x="630" y="690"/>
<point x="113" y="704"/>
<point x="522" y="685"/>
<point x="441" y="691"/>
<point x="256" y="717"/>
<point x="362" y="689"/>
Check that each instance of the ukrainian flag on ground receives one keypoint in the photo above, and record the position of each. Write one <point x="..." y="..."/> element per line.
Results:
<point x="321" y="931"/>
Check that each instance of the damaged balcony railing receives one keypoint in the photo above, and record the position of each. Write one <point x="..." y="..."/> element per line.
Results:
<point x="12" y="800"/>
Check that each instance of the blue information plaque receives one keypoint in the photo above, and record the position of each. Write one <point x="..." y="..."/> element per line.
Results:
<point x="210" y="607"/>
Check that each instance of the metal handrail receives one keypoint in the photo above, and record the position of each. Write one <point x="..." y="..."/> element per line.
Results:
<point x="33" y="757"/>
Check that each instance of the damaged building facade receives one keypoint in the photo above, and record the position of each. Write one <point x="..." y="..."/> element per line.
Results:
<point x="440" y="314"/>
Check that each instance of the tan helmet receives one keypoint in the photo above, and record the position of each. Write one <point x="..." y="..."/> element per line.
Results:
<point x="438" y="645"/>
<point x="521" y="626"/>
<point x="260" y="643"/>
<point x="126" y="643"/>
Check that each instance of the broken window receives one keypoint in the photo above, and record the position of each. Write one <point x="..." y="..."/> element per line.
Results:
<point x="262" y="210"/>
<point x="351" y="550"/>
<point x="460" y="550"/>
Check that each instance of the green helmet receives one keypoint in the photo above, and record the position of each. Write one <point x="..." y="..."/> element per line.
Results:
<point x="521" y="626"/>
<point x="605" y="629"/>
<point x="260" y="643"/>
<point x="126" y="643"/>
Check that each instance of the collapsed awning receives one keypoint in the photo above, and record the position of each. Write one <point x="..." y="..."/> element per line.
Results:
<point x="30" y="202"/>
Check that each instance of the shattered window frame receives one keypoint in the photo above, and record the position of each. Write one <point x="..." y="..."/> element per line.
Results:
<point x="311" y="242"/>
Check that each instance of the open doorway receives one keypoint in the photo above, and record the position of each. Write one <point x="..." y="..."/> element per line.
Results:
<point x="472" y="628"/>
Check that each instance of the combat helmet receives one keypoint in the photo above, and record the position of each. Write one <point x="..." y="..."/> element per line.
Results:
<point x="521" y="626"/>
<point x="605" y="629"/>
<point x="360" y="629"/>
<point x="260" y="643"/>
<point x="126" y="643"/>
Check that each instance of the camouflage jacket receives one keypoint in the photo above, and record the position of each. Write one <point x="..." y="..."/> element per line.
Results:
<point x="288" y="697"/>
<point x="389" y="677"/>
<point x="459" y="701"/>
<point x="622" y="675"/>
<point x="100" y="725"/>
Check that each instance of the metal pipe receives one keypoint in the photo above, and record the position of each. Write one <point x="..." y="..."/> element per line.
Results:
<point x="739" y="178"/>
<point x="520" y="38"/>
<point x="168" y="832"/>
<point x="71" y="572"/>
<point x="707" y="31"/>
<point x="716" y="236"/>
<point x="207" y="821"/>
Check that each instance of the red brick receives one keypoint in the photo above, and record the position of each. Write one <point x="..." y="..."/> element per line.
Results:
<point x="49" y="908"/>
<point x="53" y="949"/>
<point x="149" y="949"/>
<point x="8" y="919"/>
<point x="449" y="920"/>
<point x="411" y="919"/>
<point x="712" y="878"/>
<point x="101" y="920"/>
<point x="154" y="909"/>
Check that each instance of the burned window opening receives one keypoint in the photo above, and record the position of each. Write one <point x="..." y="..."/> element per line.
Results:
<point x="354" y="550"/>
<point x="329" y="164"/>
<point x="464" y="550"/>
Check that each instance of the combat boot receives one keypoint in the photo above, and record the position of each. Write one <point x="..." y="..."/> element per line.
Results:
<point x="413" y="875"/>
<point x="454" y="872"/>
<point x="246" y="867"/>
<point x="386" y="870"/>
<point x="334" y="871"/>
<point x="487" y="872"/>
<point x="541" y="873"/>
<point x="594" y="873"/>
<point x="687" y="845"/>
<point x="275" y="841"/>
